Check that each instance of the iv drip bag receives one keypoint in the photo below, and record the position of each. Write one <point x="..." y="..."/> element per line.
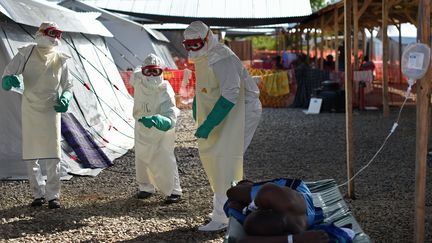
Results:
<point x="415" y="61"/>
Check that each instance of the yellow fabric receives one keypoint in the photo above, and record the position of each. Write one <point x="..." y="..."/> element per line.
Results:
<point x="155" y="161"/>
<point x="222" y="152"/>
<point x="40" y="123"/>
<point x="276" y="83"/>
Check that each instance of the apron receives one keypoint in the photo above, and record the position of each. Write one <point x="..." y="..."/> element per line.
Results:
<point x="40" y="122"/>
<point x="154" y="149"/>
<point x="222" y="152"/>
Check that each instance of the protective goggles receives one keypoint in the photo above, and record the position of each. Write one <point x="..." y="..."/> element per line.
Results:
<point x="53" y="32"/>
<point x="151" y="70"/>
<point x="195" y="44"/>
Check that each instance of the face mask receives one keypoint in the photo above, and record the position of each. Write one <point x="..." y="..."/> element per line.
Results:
<point x="196" y="54"/>
<point x="46" y="41"/>
<point x="153" y="82"/>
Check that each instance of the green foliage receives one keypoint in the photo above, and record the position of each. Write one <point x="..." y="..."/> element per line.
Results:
<point x="264" y="42"/>
<point x="318" y="4"/>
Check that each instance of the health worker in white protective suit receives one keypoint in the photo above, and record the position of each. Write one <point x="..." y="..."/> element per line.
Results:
<point x="155" y="116"/>
<point x="47" y="93"/>
<point x="227" y="110"/>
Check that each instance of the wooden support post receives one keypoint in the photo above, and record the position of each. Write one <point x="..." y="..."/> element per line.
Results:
<point x="356" y="18"/>
<point x="371" y="48"/>
<point x="348" y="96"/>
<point x="336" y="30"/>
<point x="315" y="45"/>
<point x="423" y="121"/>
<point x="399" y="27"/>
<point x="364" y="39"/>
<point x="307" y="37"/>
<point x="322" y="43"/>
<point x="300" y="40"/>
<point x="385" y="58"/>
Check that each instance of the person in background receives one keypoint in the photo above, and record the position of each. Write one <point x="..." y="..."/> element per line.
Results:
<point x="155" y="116"/>
<point x="329" y="64"/>
<point x="367" y="64"/>
<point x="47" y="93"/>
<point x="227" y="110"/>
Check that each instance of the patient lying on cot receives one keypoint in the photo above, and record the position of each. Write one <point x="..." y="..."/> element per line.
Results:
<point x="280" y="210"/>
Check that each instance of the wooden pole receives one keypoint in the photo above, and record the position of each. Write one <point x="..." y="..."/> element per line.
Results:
<point x="364" y="39"/>
<point x="348" y="96"/>
<point x="371" y="49"/>
<point x="356" y="18"/>
<point x="385" y="57"/>
<point x="423" y="121"/>
<point x="307" y="37"/>
<point x="399" y="27"/>
<point x="322" y="43"/>
<point x="301" y="40"/>
<point x="336" y="29"/>
<point x="316" y="45"/>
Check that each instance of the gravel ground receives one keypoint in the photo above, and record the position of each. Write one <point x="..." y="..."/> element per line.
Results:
<point x="287" y="143"/>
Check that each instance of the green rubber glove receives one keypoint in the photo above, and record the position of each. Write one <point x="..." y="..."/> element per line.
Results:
<point x="194" y="108"/>
<point x="161" y="122"/>
<point x="10" y="81"/>
<point x="63" y="102"/>
<point x="146" y="121"/>
<point x="215" y="117"/>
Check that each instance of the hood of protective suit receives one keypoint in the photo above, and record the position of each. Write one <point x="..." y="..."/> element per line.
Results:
<point x="198" y="29"/>
<point x="153" y="82"/>
<point x="213" y="49"/>
<point x="43" y="40"/>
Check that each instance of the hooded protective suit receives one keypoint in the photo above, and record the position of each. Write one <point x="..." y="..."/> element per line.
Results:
<point x="47" y="91"/>
<point x="227" y="109"/>
<point x="155" y="114"/>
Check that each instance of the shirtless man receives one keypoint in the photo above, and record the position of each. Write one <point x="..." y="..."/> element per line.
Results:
<point x="287" y="197"/>
<point x="280" y="210"/>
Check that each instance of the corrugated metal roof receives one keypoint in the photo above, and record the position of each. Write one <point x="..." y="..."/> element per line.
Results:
<point x="175" y="10"/>
<point x="33" y="13"/>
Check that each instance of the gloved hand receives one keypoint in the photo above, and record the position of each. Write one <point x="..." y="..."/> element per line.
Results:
<point x="146" y="121"/>
<point x="161" y="122"/>
<point x="63" y="102"/>
<point x="194" y="108"/>
<point x="215" y="117"/>
<point x="10" y="81"/>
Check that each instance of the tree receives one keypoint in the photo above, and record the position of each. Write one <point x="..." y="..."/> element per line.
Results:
<point x="318" y="4"/>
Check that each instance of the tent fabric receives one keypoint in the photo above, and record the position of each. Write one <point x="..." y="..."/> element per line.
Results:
<point x="100" y="102"/>
<point x="88" y="153"/>
<point x="326" y="195"/>
<point x="132" y="42"/>
<point x="33" y="13"/>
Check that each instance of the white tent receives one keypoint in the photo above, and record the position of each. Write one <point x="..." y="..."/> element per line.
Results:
<point x="132" y="42"/>
<point x="101" y="101"/>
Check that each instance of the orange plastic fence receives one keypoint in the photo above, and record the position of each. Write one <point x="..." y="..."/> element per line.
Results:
<point x="174" y="77"/>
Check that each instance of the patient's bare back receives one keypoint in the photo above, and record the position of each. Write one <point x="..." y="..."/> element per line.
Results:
<point x="289" y="203"/>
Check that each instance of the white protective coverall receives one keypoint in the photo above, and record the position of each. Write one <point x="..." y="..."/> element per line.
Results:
<point x="155" y="161"/>
<point x="219" y="72"/>
<point x="45" y="76"/>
